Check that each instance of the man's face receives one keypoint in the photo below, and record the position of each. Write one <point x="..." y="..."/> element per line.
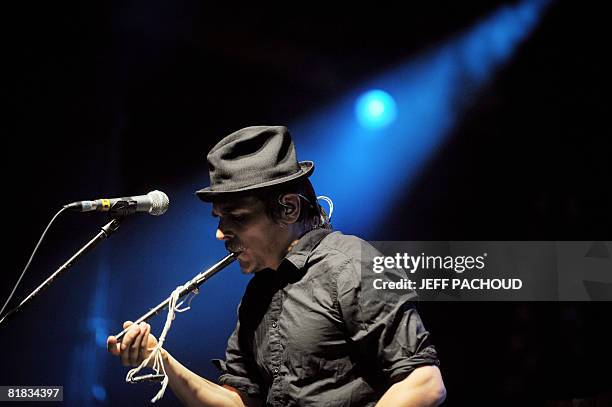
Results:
<point x="245" y="227"/>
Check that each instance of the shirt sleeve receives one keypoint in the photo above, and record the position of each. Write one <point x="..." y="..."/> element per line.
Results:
<point x="238" y="369"/>
<point x="383" y="324"/>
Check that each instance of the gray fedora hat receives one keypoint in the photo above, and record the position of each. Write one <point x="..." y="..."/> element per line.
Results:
<point x="253" y="158"/>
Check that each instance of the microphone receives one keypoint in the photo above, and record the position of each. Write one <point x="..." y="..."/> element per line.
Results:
<point x="155" y="202"/>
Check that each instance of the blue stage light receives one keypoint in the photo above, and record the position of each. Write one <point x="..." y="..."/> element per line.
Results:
<point x="433" y="90"/>
<point x="99" y="392"/>
<point x="375" y="109"/>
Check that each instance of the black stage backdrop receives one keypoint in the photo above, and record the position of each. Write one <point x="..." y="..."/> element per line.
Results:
<point x="113" y="98"/>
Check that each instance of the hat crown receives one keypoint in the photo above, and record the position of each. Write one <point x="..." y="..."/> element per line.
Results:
<point x="253" y="157"/>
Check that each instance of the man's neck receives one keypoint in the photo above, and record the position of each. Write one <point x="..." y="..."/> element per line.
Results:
<point x="295" y="238"/>
<point x="298" y="236"/>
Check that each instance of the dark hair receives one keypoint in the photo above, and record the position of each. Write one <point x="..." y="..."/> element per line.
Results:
<point x="312" y="214"/>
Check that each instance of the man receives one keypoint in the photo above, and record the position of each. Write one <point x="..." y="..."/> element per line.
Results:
<point x="310" y="332"/>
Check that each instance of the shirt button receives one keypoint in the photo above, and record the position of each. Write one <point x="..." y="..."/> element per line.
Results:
<point x="275" y="370"/>
<point x="274" y="325"/>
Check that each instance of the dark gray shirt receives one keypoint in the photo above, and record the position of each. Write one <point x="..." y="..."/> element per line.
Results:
<point x="316" y="333"/>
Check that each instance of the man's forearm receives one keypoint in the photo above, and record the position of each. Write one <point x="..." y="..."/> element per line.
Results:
<point x="194" y="390"/>
<point x="422" y="388"/>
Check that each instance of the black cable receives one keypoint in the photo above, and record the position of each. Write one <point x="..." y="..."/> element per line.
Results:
<point x="31" y="257"/>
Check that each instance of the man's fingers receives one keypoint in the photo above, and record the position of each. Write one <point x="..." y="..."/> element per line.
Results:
<point x="145" y="341"/>
<point x="135" y="347"/>
<point x="128" y="338"/>
<point x="112" y="346"/>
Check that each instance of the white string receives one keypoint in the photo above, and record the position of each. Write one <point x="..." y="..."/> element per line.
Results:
<point x="158" y="364"/>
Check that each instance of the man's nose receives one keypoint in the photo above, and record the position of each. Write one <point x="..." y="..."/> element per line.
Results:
<point x="220" y="234"/>
<point x="223" y="233"/>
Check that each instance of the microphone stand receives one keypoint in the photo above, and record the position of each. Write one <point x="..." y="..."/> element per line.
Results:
<point x="105" y="232"/>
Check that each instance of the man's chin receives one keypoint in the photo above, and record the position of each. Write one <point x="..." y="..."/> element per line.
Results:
<point x="247" y="268"/>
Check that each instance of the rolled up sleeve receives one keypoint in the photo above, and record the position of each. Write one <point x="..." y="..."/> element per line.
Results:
<point x="238" y="369"/>
<point x="383" y="324"/>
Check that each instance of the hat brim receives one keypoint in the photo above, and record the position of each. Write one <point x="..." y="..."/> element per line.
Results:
<point x="208" y="195"/>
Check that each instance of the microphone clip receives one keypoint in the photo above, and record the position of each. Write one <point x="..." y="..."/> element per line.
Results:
<point x="122" y="208"/>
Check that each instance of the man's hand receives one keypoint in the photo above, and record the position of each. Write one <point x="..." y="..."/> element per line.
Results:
<point x="136" y="346"/>
<point x="191" y="389"/>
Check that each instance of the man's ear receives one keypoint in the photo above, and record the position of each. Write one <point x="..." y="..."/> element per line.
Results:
<point x="291" y="208"/>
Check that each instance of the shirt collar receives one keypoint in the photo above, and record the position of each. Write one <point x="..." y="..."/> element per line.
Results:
<point x="301" y="251"/>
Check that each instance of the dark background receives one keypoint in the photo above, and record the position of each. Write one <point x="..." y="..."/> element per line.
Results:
<point x="114" y="98"/>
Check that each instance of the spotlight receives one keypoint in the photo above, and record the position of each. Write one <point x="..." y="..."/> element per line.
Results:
<point x="375" y="109"/>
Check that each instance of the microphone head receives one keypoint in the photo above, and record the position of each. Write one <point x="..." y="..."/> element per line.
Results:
<point x="159" y="202"/>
